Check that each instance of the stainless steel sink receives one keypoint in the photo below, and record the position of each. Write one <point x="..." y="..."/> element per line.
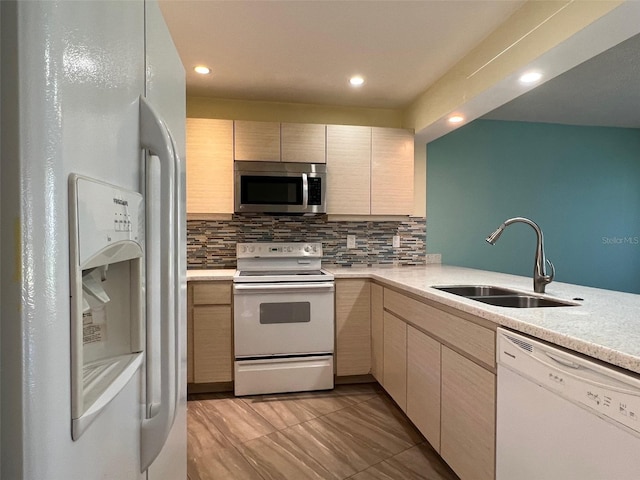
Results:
<point x="475" y="290"/>
<point x="522" y="301"/>
<point x="502" y="297"/>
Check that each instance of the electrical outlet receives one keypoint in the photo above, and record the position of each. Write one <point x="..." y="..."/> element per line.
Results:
<point x="351" y="241"/>
<point x="434" y="258"/>
<point x="396" y="241"/>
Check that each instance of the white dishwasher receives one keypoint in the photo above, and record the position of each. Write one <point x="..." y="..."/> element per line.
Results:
<point x="563" y="417"/>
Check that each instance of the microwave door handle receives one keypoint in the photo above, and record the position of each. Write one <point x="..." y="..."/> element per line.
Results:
<point x="305" y="191"/>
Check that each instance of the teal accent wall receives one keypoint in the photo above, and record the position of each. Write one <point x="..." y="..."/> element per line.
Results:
<point x="580" y="184"/>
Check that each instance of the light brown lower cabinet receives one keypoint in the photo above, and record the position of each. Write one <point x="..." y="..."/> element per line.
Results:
<point x="209" y="333"/>
<point x="439" y="368"/>
<point x="377" y="332"/>
<point x="423" y="384"/>
<point x="395" y="359"/>
<point x="212" y="360"/>
<point x="353" y="327"/>
<point x="468" y="417"/>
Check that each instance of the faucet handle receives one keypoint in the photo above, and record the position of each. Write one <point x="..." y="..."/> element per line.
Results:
<point x="549" y="278"/>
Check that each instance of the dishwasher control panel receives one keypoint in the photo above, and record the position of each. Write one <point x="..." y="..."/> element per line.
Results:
<point x="607" y="391"/>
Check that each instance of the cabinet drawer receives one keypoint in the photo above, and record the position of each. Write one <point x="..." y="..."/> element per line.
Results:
<point x="212" y="293"/>
<point x="465" y="335"/>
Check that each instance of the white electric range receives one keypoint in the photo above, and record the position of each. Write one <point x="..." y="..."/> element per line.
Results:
<point x="283" y="319"/>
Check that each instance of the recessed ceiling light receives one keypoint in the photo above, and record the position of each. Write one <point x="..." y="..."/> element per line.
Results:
<point x="201" y="69"/>
<point x="456" y="119"/>
<point x="356" y="80"/>
<point x="530" y="77"/>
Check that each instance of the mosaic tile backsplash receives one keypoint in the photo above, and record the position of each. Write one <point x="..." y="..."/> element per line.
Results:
<point x="212" y="243"/>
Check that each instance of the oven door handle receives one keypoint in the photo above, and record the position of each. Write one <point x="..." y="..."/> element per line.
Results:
<point x="278" y="288"/>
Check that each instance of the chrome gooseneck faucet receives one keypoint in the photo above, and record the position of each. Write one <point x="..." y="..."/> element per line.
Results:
<point x="540" y="277"/>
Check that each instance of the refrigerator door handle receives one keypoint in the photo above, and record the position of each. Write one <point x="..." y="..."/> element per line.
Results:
<point x="155" y="136"/>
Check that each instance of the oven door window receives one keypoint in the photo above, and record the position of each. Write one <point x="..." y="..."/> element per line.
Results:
<point x="286" y="312"/>
<point x="267" y="190"/>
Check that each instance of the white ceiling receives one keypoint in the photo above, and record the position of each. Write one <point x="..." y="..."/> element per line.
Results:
<point x="304" y="51"/>
<point x="603" y="91"/>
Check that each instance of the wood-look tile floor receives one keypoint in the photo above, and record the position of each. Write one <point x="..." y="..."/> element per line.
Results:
<point x="353" y="431"/>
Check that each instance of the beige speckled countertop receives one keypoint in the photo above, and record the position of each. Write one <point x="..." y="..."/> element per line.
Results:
<point x="211" y="275"/>
<point x="605" y="326"/>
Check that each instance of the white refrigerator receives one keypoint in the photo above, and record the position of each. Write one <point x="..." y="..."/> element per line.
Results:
<point x="92" y="242"/>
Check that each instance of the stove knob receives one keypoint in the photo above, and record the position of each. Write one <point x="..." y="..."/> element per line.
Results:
<point x="251" y="249"/>
<point x="243" y="249"/>
<point x="307" y="248"/>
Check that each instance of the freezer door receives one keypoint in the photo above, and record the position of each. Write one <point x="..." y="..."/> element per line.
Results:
<point x="71" y="81"/>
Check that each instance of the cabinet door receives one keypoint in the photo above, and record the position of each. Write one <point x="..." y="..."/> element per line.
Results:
<point x="377" y="332"/>
<point x="423" y="384"/>
<point x="395" y="359"/>
<point x="391" y="171"/>
<point x="212" y="358"/>
<point x="209" y="166"/>
<point x="303" y="142"/>
<point x="189" y="333"/>
<point x="348" y="170"/>
<point x="257" y="141"/>
<point x="467" y="440"/>
<point x="353" y="327"/>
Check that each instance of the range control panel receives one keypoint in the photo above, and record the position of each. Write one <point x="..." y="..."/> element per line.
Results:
<point x="609" y="392"/>
<point x="279" y="250"/>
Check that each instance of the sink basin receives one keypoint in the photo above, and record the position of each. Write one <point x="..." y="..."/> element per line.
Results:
<point x="475" y="290"/>
<point x="502" y="297"/>
<point x="522" y="301"/>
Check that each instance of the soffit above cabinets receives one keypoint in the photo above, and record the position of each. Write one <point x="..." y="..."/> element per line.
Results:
<point x="602" y="91"/>
<point x="305" y="51"/>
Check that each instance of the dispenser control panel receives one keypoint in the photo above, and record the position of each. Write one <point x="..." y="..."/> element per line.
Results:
<point x="106" y="215"/>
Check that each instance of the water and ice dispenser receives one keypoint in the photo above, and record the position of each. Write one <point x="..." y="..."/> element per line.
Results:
<point x="106" y="226"/>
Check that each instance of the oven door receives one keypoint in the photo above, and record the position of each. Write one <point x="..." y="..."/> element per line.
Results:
<point x="283" y="318"/>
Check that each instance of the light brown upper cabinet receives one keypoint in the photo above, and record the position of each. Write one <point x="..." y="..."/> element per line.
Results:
<point x="276" y="142"/>
<point x="391" y="171"/>
<point x="257" y="141"/>
<point x="209" y="166"/>
<point x="370" y="171"/>
<point x="303" y="143"/>
<point x="348" y="170"/>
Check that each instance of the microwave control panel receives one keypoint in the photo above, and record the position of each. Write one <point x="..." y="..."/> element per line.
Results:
<point x="315" y="191"/>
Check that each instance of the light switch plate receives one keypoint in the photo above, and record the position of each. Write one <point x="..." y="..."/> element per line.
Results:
<point x="396" y="241"/>
<point x="351" y="241"/>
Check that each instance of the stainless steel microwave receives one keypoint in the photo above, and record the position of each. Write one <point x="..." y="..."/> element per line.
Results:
<point x="279" y="187"/>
